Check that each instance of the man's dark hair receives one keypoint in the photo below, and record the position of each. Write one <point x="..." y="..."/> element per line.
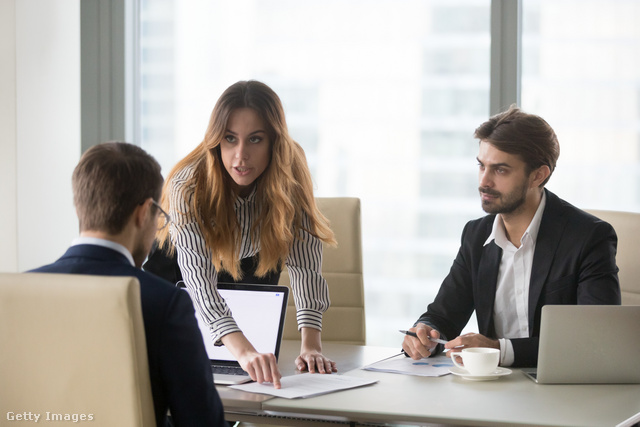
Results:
<point x="526" y="135"/>
<point x="110" y="180"/>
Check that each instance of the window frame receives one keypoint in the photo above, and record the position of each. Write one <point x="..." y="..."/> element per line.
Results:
<point x="110" y="66"/>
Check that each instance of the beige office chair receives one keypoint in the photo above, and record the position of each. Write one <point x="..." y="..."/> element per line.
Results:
<point x="627" y="226"/>
<point x="344" y="321"/>
<point x="74" y="346"/>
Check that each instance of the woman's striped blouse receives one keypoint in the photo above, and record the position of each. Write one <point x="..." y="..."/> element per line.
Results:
<point x="304" y="263"/>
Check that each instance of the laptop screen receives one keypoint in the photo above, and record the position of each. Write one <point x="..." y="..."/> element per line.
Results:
<point x="259" y="311"/>
<point x="589" y="344"/>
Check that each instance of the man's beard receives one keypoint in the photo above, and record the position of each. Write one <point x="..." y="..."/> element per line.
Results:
<point x="504" y="204"/>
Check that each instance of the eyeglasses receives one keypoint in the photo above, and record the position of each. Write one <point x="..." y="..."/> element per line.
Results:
<point x="165" y="219"/>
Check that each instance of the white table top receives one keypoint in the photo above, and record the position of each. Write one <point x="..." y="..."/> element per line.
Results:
<point x="396" y="398"/>
<point x="347" y="357"/>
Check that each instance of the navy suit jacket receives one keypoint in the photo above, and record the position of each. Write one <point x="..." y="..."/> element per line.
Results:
<point x="181" y="378"/>
<point x="574" y="263"/>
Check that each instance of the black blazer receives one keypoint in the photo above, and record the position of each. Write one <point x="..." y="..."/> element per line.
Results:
<point x="574" y="263"/>
<point x="181" y="378"/>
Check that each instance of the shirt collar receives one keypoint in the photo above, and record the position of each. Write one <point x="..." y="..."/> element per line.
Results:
<point x="105" y="244"/>
<point x="244" y="200"/>
<point x="498" y="232"/>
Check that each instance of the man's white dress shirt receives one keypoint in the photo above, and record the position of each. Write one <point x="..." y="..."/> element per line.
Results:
<point x="511" y="306"/>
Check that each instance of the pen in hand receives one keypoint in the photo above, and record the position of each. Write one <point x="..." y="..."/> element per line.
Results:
<point x="413" y="334"/>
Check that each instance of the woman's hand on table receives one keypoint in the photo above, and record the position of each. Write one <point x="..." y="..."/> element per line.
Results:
<point x="261" y="367"/>
<point x="311" y="358"/>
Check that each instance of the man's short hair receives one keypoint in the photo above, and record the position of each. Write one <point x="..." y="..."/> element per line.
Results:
<point x="526" y="135"/>
<point x="110" y="180"/>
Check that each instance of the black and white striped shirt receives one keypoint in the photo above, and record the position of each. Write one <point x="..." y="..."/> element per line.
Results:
<point x="304" y="263"/>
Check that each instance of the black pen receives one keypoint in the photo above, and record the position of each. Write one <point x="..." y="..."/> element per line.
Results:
<point x="413" y="334"/>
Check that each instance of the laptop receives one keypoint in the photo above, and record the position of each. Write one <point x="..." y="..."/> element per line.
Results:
<point x="588" y="344"/>
<point x="259" y="310"/>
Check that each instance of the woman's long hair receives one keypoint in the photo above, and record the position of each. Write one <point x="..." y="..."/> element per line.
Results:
<point x="284" y="190"/>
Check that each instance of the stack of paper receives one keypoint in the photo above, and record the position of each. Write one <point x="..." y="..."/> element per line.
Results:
<point x="400" y="364"/>
<point x="306" y="385"/>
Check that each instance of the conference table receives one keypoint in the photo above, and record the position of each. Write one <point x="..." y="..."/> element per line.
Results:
<point x="398" y="399"/>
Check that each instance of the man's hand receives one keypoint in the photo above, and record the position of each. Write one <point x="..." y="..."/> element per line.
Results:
<point x="472" y="340"/>
<point x="421" y="347"/>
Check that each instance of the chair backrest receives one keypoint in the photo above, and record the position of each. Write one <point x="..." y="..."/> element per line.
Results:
<point x="344" y="321"/>
<point x="73" y="346"/>
<point x="627" y="226"/>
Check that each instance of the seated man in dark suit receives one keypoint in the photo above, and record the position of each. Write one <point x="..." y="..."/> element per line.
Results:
<point x="115" y="189"/>
<point x="531" y="250"/>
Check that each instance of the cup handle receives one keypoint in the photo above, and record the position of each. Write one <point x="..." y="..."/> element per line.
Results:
<point x="455" y="362"/>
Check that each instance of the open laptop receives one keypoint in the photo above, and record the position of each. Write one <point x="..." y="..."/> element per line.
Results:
<point x="259" y="310"/>
<point x="588" y="344"/>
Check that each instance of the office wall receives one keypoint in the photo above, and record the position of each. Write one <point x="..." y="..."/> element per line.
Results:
<point x="40" y="129"/>
<point x="8" y="179"/>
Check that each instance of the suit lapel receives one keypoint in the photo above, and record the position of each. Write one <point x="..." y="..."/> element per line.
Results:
<point x="486" y="286"/>
<point x="551" y="228"/>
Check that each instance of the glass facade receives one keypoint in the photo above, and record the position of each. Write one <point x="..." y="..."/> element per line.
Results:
<point x="581" y="72"/>
<point x="384" y="96"/>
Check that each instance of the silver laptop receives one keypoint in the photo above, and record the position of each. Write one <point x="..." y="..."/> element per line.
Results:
<point x="588" y="344"/>
<point x="259" y="311"/>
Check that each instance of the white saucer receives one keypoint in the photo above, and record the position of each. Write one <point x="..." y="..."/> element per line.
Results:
<point x="499" y="372"/>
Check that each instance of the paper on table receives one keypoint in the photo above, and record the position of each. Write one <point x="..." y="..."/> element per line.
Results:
<point x="306" y="385"/>
<point x="400" y="364"/>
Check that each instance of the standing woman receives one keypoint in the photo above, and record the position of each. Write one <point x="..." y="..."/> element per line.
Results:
<point x="242" y="207"/>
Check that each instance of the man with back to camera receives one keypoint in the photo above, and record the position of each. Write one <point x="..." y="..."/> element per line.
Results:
<point x="531" y="250"/>
<point x="115" y="187"/>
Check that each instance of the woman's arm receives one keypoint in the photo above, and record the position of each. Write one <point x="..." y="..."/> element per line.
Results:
<point x="311" y="296"/>
<point x="194" y="259"/>
<point x="201" y="278"/>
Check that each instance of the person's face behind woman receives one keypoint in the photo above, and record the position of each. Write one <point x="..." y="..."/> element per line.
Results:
<point x="245" y="148"/>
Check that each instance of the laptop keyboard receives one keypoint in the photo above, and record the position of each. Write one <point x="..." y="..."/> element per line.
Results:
<point x="228" y="370"/>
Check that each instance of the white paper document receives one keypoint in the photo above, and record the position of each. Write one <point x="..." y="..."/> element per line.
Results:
<point x="401" y="364"/>
<point x="306" y="385"/>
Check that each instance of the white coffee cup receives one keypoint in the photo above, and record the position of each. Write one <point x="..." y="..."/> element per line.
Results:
<point x="478" y="360"/>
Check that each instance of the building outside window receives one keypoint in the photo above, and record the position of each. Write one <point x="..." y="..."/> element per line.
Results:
<point x="581" y="72"/>
<point x="384" y="96"/>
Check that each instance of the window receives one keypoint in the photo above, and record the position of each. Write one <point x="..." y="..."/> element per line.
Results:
<point x="581" y="62"/>
<point x="383" y="96"/>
